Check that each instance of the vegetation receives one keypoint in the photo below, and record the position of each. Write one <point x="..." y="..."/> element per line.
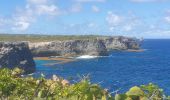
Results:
<point x="43" y="38"/>
<point x="13" y="86"/>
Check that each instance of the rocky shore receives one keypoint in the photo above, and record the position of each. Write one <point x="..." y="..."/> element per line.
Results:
<point x="16" y="54"/>
<point x="95" y="47"/>
<point x="20" y="54"/>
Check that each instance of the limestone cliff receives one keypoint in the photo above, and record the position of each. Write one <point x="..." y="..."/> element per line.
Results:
<point x="69" y="48"/>
<point x="98" y="47"/>
<point x="16" y="54"/>
<point x="121" y="43"/>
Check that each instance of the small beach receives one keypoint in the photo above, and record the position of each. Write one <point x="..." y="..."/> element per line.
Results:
<point x="60" y="60"/>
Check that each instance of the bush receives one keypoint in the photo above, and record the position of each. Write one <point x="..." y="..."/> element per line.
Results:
<point x="15" y="87"/>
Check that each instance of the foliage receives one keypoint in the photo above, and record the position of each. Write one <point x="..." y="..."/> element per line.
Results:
<point x="44" y="38"/>
<point x="144" y="92"/>
<point x="15" y="87"/>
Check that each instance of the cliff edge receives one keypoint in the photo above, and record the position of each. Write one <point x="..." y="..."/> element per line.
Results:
<point x="16" y="54"/>
<point x="95" y="47"/>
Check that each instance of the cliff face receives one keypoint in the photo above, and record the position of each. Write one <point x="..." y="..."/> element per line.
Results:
<point x="69" y="48"/>
<point x="16" y="54"/>
<point x="97" y="47"/>
<point x="121" y="43"/>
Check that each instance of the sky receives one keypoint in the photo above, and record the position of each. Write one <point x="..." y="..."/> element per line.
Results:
<point x="134" y="18"/>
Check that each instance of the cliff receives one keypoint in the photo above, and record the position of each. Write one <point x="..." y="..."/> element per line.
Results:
<point x="16" y="54"/>
<point x="98" y="47"/>
<point x="121" y="43"/>
<point x="69" y="48"/>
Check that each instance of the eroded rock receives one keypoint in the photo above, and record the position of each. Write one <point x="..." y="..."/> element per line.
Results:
<point x="96" y="47"/>
<point x="16" y="54"/>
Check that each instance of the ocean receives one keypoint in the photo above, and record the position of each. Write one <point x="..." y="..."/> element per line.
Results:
<point x="121" y="69"/>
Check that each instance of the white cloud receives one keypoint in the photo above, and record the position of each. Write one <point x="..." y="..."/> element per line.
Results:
<point x="21" y="26"/>
<point x="131" y="23"/>
<point x="157" y="33"/>
<point x="4" y="21"/>
<point x="95" y="9"/>
<point x="77" y="7"/>
<point x="49" y="10"/>
<point x="23" y="18"/>
<point x="37" y="1"/>
<point x="85" y="1"/>
<point x="1" y="21"/>
<point x="87" y="27"/>
<point x="140" y="1"/>
<point x="152" y="26"/>
<point x="43" y="7"/>
<point x="128" y="27"/>
<point x="21" y="22"/>
<point x="91" y="25"/>
<point x="111" y="29"/>
<point x="120" y="23"/>
<point x="113" y="19"/>
<point x="167" y="19"/>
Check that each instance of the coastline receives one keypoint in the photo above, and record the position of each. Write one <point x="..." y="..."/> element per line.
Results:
<point x="52" y="58"/>
<point x="66" y="59"/>
<point x="133" y="50"/>
<point x="61" y="59"/>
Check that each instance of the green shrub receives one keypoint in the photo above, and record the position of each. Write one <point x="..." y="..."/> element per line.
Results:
<point x="15" y="87"/>
<point x="144" y="92"/>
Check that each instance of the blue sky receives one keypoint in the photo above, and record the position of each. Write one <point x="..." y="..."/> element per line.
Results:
<point x="135" y="18"/>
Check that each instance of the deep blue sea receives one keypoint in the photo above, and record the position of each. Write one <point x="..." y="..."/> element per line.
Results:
<point x="121" y="70"/>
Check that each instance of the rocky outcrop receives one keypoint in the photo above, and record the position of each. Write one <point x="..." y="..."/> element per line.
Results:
<point x="69" y="48"/>
<point x="97" y="47"/>
<point x="121" y="43"/>
<point x="16" y="54"/>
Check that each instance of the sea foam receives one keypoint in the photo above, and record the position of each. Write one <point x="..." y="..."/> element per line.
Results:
<point x="90" y="57"/>
<point x="86" y="57"/>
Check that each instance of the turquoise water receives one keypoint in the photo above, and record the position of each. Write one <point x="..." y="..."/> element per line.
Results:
<point x="121" y="69"/>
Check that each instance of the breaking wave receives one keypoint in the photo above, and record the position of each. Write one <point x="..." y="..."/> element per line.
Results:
<point x="89" y="57"/>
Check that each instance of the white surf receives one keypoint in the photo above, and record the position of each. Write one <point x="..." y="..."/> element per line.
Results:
<point x="86" y="57"/>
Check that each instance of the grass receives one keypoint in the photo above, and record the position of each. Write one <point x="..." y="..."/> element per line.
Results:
<point x="44" y="38"/>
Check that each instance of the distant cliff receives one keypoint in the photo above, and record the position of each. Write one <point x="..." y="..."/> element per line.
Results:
<point x="16" y="54"/>
<point x="121" y="43"/>
<point x="69" y="48"/>
<point x="98" y="47"/>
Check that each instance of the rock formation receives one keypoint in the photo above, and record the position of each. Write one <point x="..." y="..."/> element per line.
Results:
<point x="121" y="43"/>
<point x="97" y="47"/>
<point x="69" y="48"/>
<point x="16" y="54"/>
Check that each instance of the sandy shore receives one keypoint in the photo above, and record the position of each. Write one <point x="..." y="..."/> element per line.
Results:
<point x="52" y="58"/>
<point x="61" y="60"/>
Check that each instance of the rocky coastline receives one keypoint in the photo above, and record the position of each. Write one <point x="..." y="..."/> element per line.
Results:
<point x="16" y="54"/>
<point x="96" y="47"/>
<point x="22" y="54"/>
